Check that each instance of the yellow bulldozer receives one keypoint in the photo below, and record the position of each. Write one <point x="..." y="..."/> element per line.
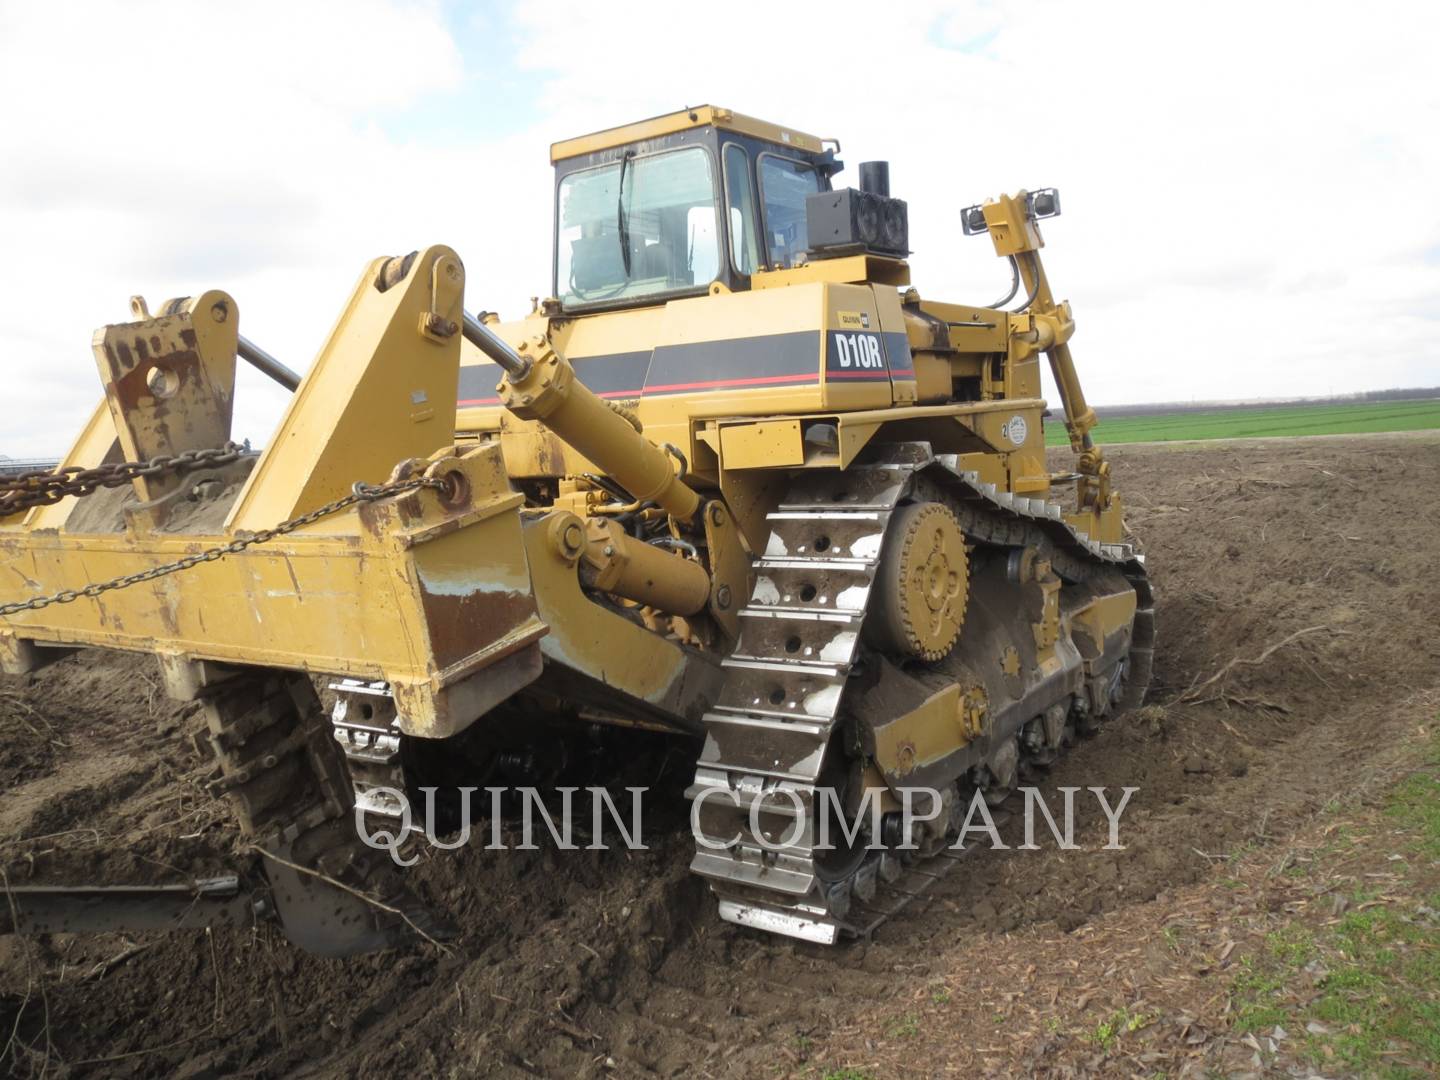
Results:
<point x="735" y="479"/>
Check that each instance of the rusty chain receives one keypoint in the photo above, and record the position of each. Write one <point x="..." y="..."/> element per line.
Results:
<point x="361" y="492"/>
<point x="42" y="487"/>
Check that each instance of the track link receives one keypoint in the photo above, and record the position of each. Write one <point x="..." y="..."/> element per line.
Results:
<point x="366" y="727"/>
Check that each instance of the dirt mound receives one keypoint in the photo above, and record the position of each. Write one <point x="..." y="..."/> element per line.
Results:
<point x="1312" y="554"/>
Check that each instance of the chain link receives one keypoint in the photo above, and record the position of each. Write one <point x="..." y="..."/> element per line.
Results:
<point x="361" y="492"/>
<point x="42" y="488"/>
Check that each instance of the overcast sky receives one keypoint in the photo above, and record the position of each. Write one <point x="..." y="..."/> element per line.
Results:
<point x="1251" y="190"/>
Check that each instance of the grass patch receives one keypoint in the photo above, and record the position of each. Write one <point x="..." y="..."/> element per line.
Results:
<point x="1256" y="991"/>
<point x="907" y="1028"/>
<point x="1362" y="995"/>
<point x="1386" y="990"/>
<point x="1377" y="995"/>
<point x="1417" y="806"/>
<point x="1121" y="1022"/>
<point x="1241" y="422"/>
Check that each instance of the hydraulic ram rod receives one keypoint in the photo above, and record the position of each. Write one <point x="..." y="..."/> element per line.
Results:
<point x="546" y="388"/>
<point x="495" y="347"/>
<point x="259" y="358"/>
<point x="476" y="332"/>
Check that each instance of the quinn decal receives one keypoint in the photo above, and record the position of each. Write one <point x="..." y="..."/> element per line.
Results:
<point x="859" y="353"/>
<point x="1015" y="429"/>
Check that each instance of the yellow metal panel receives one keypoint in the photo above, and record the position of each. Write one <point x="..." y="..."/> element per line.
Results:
<point x="892" y="321"/>
<point x="990" y="468"/>
<point x="578" y="340"/>
<point x="1104" y="617"/>
<point x="170" y="381"/>
<point x="924" y="735"/>
<point x="730" y="317"/>
<point x="741" y="315"/>
<point x="849" y="269"/>
<point x="683" y="120"/>
<point x="848" y="394"/>
<point x="380" y="391"/>
<point x="765" y="445"/>
<point x="533" y="450"/>
<point x="607" y="647"/>
<point x="933" y="377"/>
<point x="636" y="330"/>
<point x="853" y="437"/>
<point x="667" y="412"/>
<point x="1106" y="525"/>
<point x="1011" y="424"/>
<point x="226" y="610"/>
<point x="1012" y="229"/>
<point x="972" y="329"/>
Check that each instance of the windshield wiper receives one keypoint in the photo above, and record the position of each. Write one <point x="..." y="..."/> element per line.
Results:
<point x="622" y="220"/>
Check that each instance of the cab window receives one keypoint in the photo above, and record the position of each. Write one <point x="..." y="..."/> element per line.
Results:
<point x="784" y="184"/>
<point x="740" y="204"/>
<point x="637" y="227"/>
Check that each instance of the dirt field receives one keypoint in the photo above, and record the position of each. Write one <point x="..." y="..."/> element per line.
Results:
<point x="614" y="963"/>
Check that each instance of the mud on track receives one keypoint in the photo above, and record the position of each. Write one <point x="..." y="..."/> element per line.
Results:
<point x="613" y="963"/>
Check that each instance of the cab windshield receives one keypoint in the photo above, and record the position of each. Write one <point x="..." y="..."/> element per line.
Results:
<point x="785" y="184"/>
<point x="638" y="227"/>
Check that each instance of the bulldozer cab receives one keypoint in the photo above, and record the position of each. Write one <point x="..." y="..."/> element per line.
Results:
<point x="669" y="207"/>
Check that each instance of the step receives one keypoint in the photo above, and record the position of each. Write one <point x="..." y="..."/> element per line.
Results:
<point x="784" y="875"/>
<point x="863" y="488"/>
<point x="776" y="749"/>
<point x="806" y="585"/>
<point x="786" y="689"/>
<point x="846" y="537"/>
<point x="827" y="638"/>
<point x="778" y="920"/>
<point x="769" y="714"/>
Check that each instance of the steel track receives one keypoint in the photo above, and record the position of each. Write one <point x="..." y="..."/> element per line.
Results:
<point x="768" y="733"/>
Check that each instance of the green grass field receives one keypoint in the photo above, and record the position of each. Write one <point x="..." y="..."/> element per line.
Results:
<point x="1244" y="423"/>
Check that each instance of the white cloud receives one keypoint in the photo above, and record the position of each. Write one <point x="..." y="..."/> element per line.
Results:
<point x="1247" y="187"/>
<point x="167" y="148"/>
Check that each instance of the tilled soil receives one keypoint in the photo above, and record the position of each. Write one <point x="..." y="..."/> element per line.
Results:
<point x="1296" y="637"/>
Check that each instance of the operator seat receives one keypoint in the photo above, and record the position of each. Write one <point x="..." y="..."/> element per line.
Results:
<point x="656" y="262"/>
<point x="595" y="263"/>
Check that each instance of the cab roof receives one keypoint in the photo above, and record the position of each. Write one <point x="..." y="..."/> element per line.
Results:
<point x="699" y="116"/>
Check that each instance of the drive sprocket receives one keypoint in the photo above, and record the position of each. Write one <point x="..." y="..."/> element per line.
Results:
<point x="923" y="583"/>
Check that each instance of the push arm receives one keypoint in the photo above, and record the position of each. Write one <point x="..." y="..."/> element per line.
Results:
<point x="1012" y="223"/>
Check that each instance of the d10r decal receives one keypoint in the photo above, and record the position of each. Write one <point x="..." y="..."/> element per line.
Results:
<point x="855" y="355"/>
